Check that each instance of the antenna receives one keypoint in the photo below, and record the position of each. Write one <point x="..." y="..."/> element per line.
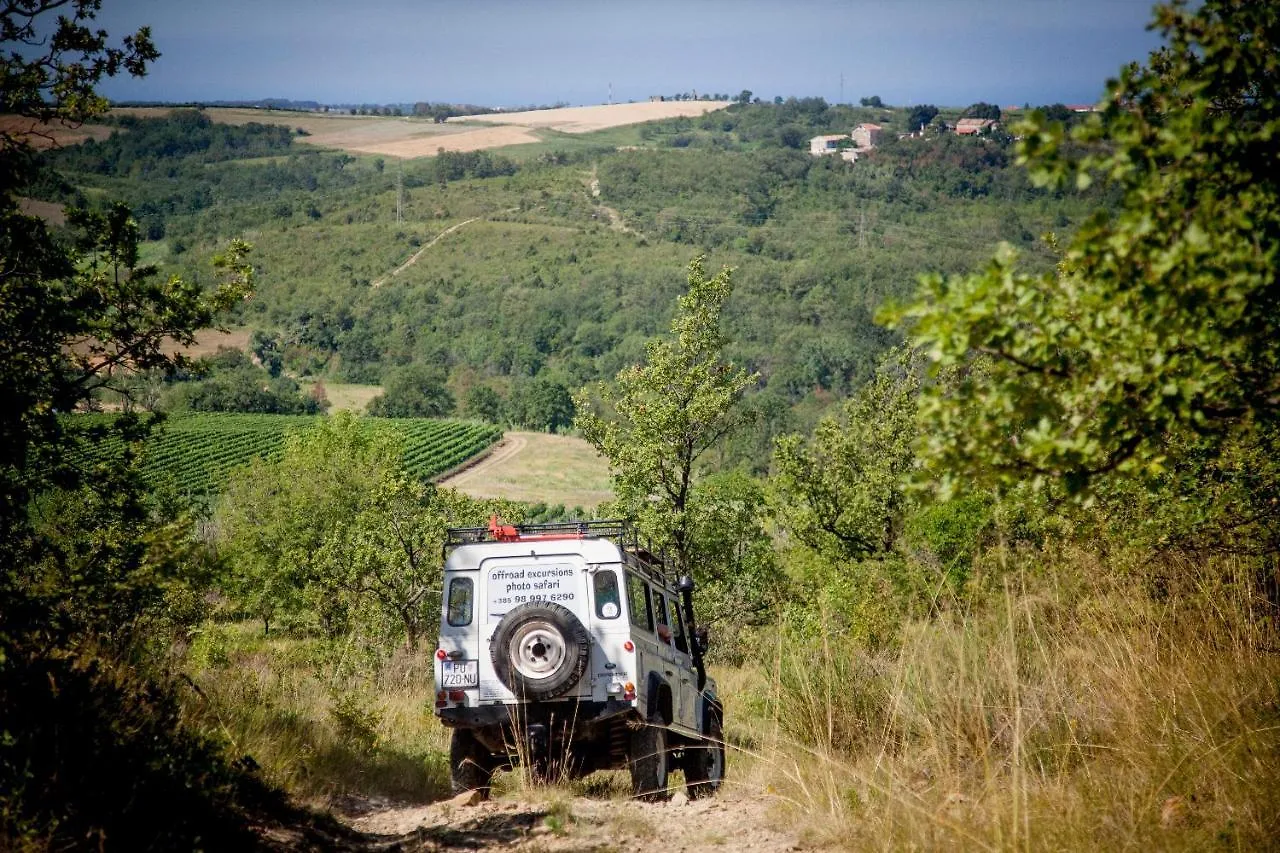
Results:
<point x="841" y="87"/>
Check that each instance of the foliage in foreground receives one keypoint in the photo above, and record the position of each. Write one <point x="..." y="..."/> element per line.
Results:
<point x="1160" y="324"/>
<point x="338" y="535"/>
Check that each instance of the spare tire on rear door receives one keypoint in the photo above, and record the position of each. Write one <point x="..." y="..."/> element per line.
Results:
<point x="540" y="650"/>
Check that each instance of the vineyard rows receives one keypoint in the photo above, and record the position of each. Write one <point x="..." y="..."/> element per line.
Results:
<point x="196" y="453"/>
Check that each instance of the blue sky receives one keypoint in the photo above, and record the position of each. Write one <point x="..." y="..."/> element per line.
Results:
<point x="503" y="52"/>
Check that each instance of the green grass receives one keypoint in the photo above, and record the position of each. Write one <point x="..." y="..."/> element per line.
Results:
<point x="321" y="719"/>
<point x="196" y="453"/>
<point x="554" y="141"/>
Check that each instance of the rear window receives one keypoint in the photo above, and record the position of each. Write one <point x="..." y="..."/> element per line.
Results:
<point x="638" y="604"/>
<point x="460" y="600"/>
<point x="605" y="586"/>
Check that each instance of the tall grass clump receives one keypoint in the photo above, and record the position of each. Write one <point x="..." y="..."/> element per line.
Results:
<point x="323" y="719"/>
<point x="1075" y="705"/>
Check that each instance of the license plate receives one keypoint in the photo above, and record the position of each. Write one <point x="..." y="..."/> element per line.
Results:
<point x="459" y="673"/>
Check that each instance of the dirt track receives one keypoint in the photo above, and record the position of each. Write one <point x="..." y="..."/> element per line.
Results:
<point x="729" y="822"/>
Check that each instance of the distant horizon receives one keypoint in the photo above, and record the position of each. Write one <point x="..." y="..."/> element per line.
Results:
<point x="502" y="53"/>
<point x="263" y="103"/>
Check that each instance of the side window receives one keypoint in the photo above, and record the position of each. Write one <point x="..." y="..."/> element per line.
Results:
<point x="460" y="599"/>
<point x="638" y="604"/>
<point x="605" y="586"/>
<point x="660" y="604"/>
<point x="677" y="628"/>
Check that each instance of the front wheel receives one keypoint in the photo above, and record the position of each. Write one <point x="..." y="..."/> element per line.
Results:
<point x="649" y="762"/>
<point x="704" y="761"/>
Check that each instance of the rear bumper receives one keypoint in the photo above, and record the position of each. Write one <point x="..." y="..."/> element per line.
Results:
<point x="581" y="715"/>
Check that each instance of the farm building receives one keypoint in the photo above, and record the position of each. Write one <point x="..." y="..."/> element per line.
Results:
<point x="866" y="135"/>
<point x="829" y="144"/>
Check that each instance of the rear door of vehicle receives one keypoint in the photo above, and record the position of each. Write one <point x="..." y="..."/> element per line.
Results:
<point x="508" y="581"/>
<point x="459" y="634"/>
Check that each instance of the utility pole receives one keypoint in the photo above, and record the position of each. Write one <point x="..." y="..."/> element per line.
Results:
<point x="399" y="191"/>
<point x="610" y="93"/>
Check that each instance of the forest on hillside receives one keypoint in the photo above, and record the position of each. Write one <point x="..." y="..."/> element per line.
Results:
<point x="985" y="530"/>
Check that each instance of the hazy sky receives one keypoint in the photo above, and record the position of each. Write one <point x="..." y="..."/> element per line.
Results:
<point x="505" y="52"/>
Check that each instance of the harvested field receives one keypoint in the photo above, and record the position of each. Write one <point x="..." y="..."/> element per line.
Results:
<point x="599" y="117"/>
<point x="43" y="135"/>
<point x="49" y="211"/>
<point x="209" y="341"/>
<point x="408" y="137"/>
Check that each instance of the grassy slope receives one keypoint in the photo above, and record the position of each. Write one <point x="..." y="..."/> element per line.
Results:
<point x="535" y="468"/>
<point x="1066" y="710"/>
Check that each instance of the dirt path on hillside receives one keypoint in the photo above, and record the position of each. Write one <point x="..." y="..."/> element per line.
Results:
<point x="616" y="222"/>
<point x="508" y="447"/>
<point x="729" y="822"/>
<point x="413" y="259"/>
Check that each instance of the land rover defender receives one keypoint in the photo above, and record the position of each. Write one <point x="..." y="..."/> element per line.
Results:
<point x="568" y="648"/>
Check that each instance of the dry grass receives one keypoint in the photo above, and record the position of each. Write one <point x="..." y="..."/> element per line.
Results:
<point x="597" y="117"/>
<point x="49" y="211"/>
<point x="408" y="136"/>
<point x="1072" y="710"/>
<point x="322" y="720"/>
<point x="1064" y="718"/>
<point x="45" y="135"/>
<point x="538" y="467"/>
<point x="345" y="396"/>
<point x="209" y="341"/>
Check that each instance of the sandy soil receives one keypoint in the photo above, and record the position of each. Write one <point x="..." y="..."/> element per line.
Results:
<point x="599" y="117"/>
<point x="728" y="822"/>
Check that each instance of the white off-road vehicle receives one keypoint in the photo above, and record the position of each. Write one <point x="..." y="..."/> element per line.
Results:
<point x="567" y="648"/>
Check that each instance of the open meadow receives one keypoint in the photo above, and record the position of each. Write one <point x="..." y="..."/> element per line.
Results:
<point x="536" y="467"/>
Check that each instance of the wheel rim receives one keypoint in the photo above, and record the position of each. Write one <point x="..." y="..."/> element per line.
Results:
<point x="537" y="650"/>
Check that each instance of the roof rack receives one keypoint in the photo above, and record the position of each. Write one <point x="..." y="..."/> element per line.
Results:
<point x="617" y="530"/>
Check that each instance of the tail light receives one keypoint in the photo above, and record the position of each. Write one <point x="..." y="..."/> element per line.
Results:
<point x="441" y="654"/>
<point x="629" y="692"/>
<point x="457" y="695"/>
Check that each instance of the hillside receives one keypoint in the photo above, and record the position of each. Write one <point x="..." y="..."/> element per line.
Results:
<point x="556" y="267"/>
